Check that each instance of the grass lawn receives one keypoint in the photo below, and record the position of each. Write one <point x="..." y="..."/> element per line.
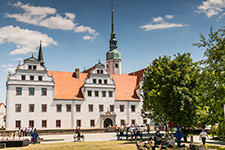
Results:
<point x="102" y="145"/>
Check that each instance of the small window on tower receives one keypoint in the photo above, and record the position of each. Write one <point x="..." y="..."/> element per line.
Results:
<point x="116" y="65"/>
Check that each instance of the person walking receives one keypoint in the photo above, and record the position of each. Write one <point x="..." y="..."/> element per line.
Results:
<point x="203" y="136"/>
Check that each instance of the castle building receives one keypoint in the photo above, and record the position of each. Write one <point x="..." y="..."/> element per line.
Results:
<point x="95" y="98"/>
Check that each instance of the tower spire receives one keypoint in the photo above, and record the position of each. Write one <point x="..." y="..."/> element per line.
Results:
<point x="40" y="55"/>
<point x="113" y="41"/>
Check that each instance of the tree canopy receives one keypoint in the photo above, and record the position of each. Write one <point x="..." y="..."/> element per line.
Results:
<point x="170" y="90"/>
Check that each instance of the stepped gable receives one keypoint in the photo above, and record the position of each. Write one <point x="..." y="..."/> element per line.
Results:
<point x="69" y="87"/>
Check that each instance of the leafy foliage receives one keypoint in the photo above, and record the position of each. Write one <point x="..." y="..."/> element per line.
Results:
<point x="213" y="76"/>
<point x="170" y="90"/>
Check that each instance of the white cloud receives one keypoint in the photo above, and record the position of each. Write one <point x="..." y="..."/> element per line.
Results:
<point x="48" y="17"/>
<point x="169" y="16"/>
<point x="158" y="19"/>
<point x="212" y="7"/>
<point x="57" y="22"/>
<point x="70" y="15"/>
<point x="18" y="59"/>
<point x="26" y="41"/>
<point x="9" y="67"/>
<point x="163" y="25"/>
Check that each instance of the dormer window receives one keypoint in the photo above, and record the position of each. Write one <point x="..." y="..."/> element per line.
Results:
<point x="94" y="80"/>
<point x="105" y="81"/>
<point x="30" y="67"/>
<point x="34" y="67"/>
<point x="40" y="78"/>
<point x="23" y="77"/>
<point x="31" y="77"/>
<point x="99" y="71"/>
<point x="100" y="81"/>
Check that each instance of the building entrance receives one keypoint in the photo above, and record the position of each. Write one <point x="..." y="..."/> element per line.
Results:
<point x="108" y="122"/>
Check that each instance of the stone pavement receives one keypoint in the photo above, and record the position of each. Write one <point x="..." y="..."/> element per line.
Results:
<point x="107" y="137"/>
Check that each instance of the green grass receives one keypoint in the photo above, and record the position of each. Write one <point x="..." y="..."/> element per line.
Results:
<point x="215" y="147"/>
<point x="102" y="145"/>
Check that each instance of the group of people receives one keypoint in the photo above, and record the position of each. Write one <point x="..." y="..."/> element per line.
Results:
<point x="25" y="131"/>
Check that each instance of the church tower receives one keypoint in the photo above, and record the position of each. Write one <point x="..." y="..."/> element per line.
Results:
<point x="113" y="56"/>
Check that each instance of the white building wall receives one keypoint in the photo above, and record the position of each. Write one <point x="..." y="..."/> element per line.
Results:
<point x="2" y="116"/>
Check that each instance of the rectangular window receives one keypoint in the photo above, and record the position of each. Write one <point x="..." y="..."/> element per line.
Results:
<point x="18" y="123"/>
<point x="121" y="108"/>
<point x="79" y="123"/>
<point x="17" y="107"/>
<point x="23" y="77"/>
<point x="133" y="121"/>
<point x="99" y="81"/>
<point x="101" y="108"/>
<point x="40" y="78"/>
<point x="105" y="81"/>
<point x="122" y="122"/>
<point x="111" y="108"/>
<point x="110" y="94"/>
<point x="145" y="121"/>
<point x="94" y="80"/>
<point x="18" y="90"/>
<point x="31" y="77"/>
<point x="31" y="107"/>
<point x="44" y="108"/>
<point x="68" y="108"/>
<point x="31" y="91"/>
<point x="90" y="108"/>
<point x="30" y="67"/>
<point x="58" y="108"/>
<point x="89" y="93"/>
<point x="43" y="91"/>
<point x="92" y="123"/>
<point x="101" y="71"/>
<point x="103" y="93"/>
<point x="34" y="67"/>
<point x="78" y="108"/>
<point x="58" y="123"/>
<point x="132" y="108"/>
<point x="44" y="124"/>
<point x="31" y="123"/>
<point x="98" y="71"/>
<point x="117" y="65"/>
<point x="96" y="93"/>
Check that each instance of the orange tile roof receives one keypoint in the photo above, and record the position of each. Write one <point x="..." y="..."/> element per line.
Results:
<point x="69" y="87"/>
<point x="125" y="87"/>
<point x="139" y="75"/>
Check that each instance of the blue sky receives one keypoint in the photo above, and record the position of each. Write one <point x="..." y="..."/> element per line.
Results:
<point x="75" y="34"/>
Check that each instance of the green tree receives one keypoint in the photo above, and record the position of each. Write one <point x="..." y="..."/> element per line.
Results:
<point x="213" y="66"/>
<point x="170" y="90"/>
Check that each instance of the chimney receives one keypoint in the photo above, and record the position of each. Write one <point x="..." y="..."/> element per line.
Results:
<point x="77" y="73"/>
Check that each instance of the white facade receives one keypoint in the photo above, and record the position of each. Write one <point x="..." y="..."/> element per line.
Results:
<point x="2" y="115"/>
<point x="21" y="113"/>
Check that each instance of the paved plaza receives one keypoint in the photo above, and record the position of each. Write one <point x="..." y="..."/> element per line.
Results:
<point x="107" y="137"/>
